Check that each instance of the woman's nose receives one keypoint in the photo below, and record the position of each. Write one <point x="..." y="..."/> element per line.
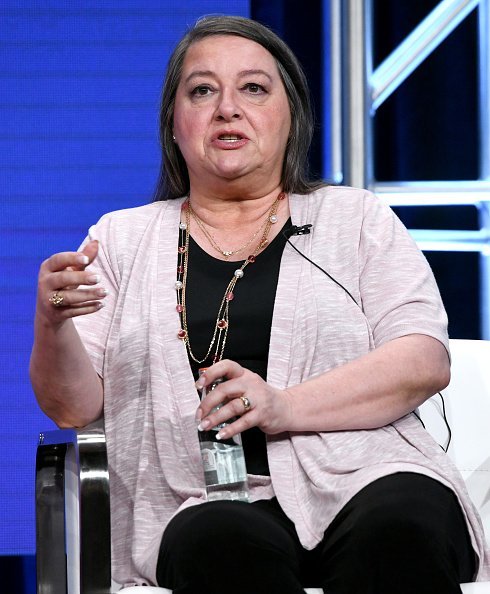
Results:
<point x="228" y="106"/>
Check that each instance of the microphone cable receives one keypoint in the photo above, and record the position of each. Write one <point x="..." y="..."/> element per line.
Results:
<point x="446" y="422"/>
<point x="305" y="230"/>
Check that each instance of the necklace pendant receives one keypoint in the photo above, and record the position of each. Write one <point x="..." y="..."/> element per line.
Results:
<point x="239" y="273"/>
<point x="273" y="218"/>
<point x="182" y="334"/>
<point x="227" y="254"/>
<point x="222" y="324"/>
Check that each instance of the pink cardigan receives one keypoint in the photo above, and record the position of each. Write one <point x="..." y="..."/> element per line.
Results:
<point x="150" y="398"/>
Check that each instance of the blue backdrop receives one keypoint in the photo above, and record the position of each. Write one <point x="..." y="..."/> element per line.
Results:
<point x="80" y="83"/>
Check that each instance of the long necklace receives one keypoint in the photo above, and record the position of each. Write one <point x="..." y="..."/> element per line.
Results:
<point x="214" y="243"/>
<point x="221" y="326"/>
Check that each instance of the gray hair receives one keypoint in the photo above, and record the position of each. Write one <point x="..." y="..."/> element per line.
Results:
<point x="174" y="177"/>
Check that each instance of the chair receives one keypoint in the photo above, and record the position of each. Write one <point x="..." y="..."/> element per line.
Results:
<point x="72" y="482"/>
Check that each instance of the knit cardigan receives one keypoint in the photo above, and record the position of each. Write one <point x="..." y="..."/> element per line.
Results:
<point x="150" y="399"/>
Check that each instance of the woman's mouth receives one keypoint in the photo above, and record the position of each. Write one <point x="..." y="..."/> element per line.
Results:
<point x="229" y="141"/>
<point x="230" y="137"/>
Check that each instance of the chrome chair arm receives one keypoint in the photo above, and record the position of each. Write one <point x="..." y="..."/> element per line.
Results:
<point x="73" y="540"/>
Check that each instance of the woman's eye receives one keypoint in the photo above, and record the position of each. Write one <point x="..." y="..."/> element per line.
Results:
<point x="201" y="91"/>
<point x="254" y="88"/>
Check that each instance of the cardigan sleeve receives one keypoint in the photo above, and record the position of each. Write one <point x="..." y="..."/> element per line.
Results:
<point x="94" y="328"/>
<point x="398" y="291"/>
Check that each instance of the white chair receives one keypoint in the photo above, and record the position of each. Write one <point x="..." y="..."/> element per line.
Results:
<point x="72" y="482"/>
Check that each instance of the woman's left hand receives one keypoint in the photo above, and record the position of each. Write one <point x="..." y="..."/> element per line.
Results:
<point x="248" y="398"/>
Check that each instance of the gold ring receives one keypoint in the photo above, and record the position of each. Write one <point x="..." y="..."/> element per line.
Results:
<point x="247" y="405"/>
<point x="56" y="299"/>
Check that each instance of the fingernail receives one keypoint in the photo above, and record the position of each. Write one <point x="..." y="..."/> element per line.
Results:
<point x="198" y="415"/>
<point x="219" y="435"/>
<point x="200" y="384"/>
<point x="203" y="425"/>
<point x="102" y="292"/>
<point x="101" y="304"/>
<point x="94" y="279"/>
<point x="82" y="259"/>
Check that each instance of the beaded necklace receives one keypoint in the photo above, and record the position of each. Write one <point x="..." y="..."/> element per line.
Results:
<point x="222" y="324"/>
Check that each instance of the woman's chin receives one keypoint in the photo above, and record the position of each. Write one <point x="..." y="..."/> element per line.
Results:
<point x="231" y="172"/>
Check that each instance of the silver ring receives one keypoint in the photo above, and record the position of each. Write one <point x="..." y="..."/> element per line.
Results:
<point x="247" y="405"/>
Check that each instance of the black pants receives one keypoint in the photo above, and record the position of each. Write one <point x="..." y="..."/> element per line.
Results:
<point x="403" y="534"/>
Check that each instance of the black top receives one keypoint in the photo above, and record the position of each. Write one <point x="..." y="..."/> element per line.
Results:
<point x="250" y="319"/>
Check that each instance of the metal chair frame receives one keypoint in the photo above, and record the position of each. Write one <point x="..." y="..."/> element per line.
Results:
<point x="84" y="452"/>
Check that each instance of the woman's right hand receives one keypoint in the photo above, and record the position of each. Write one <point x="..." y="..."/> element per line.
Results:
<point x="59" y="295"/>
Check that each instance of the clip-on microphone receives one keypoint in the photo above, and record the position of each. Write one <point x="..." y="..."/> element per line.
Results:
<point x="295" y="230"/>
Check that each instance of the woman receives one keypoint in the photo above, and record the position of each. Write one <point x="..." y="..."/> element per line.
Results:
<point x="324" y="366"/>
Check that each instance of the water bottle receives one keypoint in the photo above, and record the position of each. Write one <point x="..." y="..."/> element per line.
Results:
<point x="225" y="473"/>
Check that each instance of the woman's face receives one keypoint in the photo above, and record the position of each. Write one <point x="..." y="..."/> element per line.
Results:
<point x="231" y="115"/>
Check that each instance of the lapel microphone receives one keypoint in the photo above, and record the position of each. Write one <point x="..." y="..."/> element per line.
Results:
<point x="295" y="230"/>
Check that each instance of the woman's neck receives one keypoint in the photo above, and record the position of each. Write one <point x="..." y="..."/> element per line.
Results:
<point x="231" y="222"/>
<point x="232" y="210"/>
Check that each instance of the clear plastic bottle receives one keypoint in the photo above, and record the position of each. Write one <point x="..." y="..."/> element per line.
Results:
<point x="223" y="460"/>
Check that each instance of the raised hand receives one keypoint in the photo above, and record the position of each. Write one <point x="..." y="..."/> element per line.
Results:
<point x="61" y="277"/>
